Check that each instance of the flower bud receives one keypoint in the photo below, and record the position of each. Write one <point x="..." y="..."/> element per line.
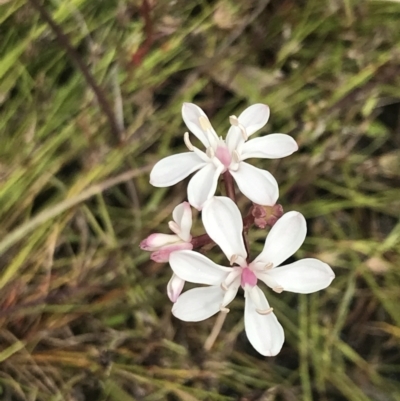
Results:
<point x="266" y="215"/>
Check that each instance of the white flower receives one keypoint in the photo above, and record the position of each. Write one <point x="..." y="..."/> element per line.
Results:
<point x="220" y="156"/>
<point x="223" y="223"/>
<point x="162" y="245"/>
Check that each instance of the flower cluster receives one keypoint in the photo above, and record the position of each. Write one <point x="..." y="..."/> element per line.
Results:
<point x="225" y="227"/>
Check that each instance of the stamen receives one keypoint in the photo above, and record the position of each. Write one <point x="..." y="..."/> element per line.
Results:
<point x="210" y="152"/>
<point x="187" y="141"/>
<point x="265" y="311"/>
<point x="224" y="286"/>
<point x="202" y="155"/>
<point x="235" y="122"/>
<point x="233" y="259"/>
<point x="232" y="277"/>
<point x="235" y="156"/>
<point x="223" y="309"/>
<point x="244" y="133"/>
<point x="269" y="266"/>
<point x="278" y="289"/>
<point x="205" y="124"/>
<point x="220" y="168"/>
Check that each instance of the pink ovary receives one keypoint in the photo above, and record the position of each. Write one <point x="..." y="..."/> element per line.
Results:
<point x="223" y="155"/>
<point x="248" y="277"/>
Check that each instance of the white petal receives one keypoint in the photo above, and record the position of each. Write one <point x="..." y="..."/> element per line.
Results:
<point x="182" y="216"/>
<point x="258" y="185"/>
<point x="254" y="117"/>
<point x="223" y="223"/>
<point x="263" y="331"/>
<point x="267" y="279"/>
<point x="203" y="185"/>
<point x="304" y="276"/>
<point x="274" y="146"/>
<point x="175" y="168"/>
<point x="175" y="287"/>
<point x="234" y="138"/>
<point x="284" y="239"/>
<point x="198" y="304"/>
<point x="177" y="213"/>
<point x="191" y="114"/>
<point x="196" y="268"/>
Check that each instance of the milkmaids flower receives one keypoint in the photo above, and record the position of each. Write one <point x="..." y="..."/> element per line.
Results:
<point x="223" y="223"/>
<point x="225" y="155"/>
<point x="161" y="245"/>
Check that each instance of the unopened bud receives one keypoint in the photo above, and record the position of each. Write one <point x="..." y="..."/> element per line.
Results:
<point x="266" y="215"/>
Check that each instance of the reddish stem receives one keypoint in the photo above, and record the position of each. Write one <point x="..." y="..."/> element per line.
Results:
<point x="229" y="187"/>
<point x="148" y="31"/>
<point x="248" y="221"/>
<point x="201" y="240"/>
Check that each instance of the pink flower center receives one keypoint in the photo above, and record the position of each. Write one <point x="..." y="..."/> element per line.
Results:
<point x="248" y="277"/>
<point x="223" y="155"/>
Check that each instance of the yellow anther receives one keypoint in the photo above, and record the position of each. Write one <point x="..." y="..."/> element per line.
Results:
<point x="265" y="311"/>
<point x="278" y="289"/>
<point x="269" y="266"/>
<point x="223" y="309"/>
<point x="235" y="122"/>
<point x="205" y="124"/>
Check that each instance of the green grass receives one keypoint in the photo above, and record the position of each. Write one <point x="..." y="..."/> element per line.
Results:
<point x="83" y="313"/>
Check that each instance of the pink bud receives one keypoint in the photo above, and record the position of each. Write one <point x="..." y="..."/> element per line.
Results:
<point x="156" y="241"/>
<point x="266" y="215"/>
<point x="162" y="255"/>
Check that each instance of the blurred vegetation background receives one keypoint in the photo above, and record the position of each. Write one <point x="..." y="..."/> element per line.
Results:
<point x="90" y="99"/>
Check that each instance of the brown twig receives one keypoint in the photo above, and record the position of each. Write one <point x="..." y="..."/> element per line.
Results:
<point x="148" y="32"/>
<point x="73" y="54"/>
